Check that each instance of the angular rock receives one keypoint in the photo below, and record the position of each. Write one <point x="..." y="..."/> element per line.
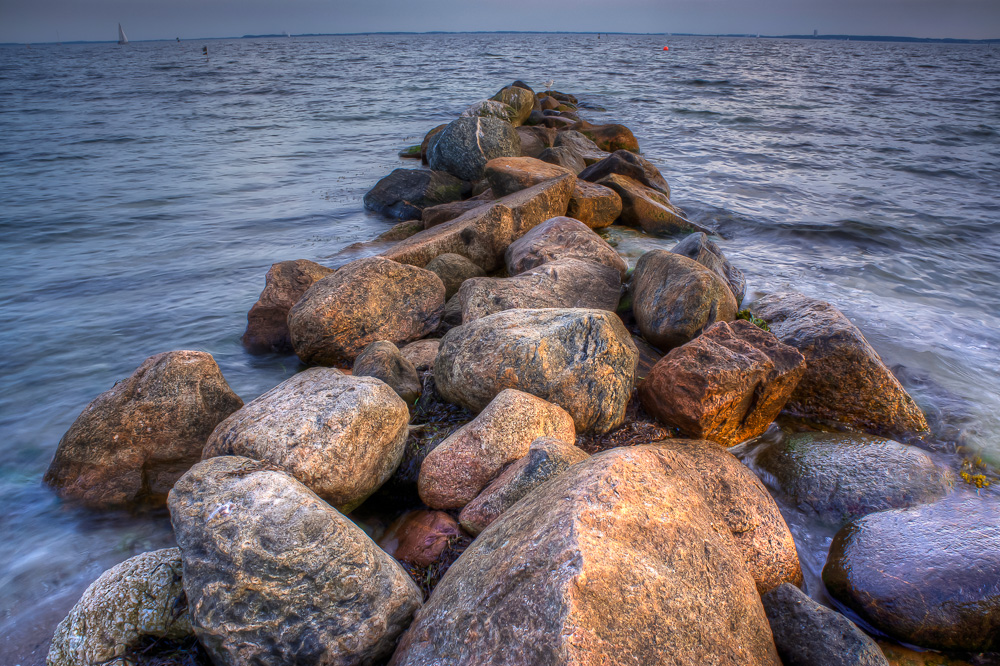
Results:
<point x="520" y="100"/>
<point x="609" y="137"/>
<point x="927" y="576"/>
<point x="586" y="149"/>
<point x="462" y="465"/>
<point x="675" y="298"/>
<point x="383" y="361"/>
<point x="561" y="238"/>
<point x="275" y="575"/>
<point x="453" y="269"/>
<point x="594" y="205"/>
<point x="342" y="436"/>
<point x="845" y="381"/>
<point x="807" y="634"/>
<point x="563" y="156"/>
<point x="419" y="537"/>
<point x="436" y="215"/>
<point x="547" y="457"/>
<point x="139" y="598"/>
<point x="397" y="232"/>
<point x="535" y="139"/>
<point x="492" y="109"/>
<point x="727" y="385"/>
<point x="582" y="360"/>
<point x="421" y="353"/>
<point x="267" y="321"/>
<point x="367" y="300"/>
<point x="132" y="442"/>
<point x="541" y="585"/>
<point x="630" y="165"/>
<point x="465" y="146"/>
<point x="697" y="246"/>
<point x="647" y="208"/>
<point x="404" y="193"/>
<point x="507" y="175"/>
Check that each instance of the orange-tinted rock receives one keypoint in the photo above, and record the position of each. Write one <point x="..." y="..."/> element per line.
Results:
<point x="646" y="208"/>
<point x="594" y="205"/>
<point x="436" y="215"/>
<point x="419" y="537"/>
<point x="397" y="232"/>
<point x="267" y="321"/>
<point x="507" y="175"/>
<point x="609" y="137"/>
<point x="132" y="442"/>
<point x="548" y="103"/>
<point x="383" y="361"/>
<point x="630" y="165"/>
<point x="726" y="385"/>
<point x="453" y="269"/>
<point x="367" y="300"/>
<point x="421" y="353"/>
<point x="561" y="238"/>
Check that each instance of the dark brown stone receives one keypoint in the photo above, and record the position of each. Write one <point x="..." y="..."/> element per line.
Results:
<point x="630" y="165"/>
<point x="267" y="321"/>
<point x="419" y="537"/>
<point x="453" y="269"/>
<point x="646" y="208"/>
<point x="609" y="137"/>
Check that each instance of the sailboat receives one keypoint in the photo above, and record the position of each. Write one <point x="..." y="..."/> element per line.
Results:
<point x="122" y="39"/>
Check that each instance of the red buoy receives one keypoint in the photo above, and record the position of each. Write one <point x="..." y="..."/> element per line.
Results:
<point x="666" y="48"/>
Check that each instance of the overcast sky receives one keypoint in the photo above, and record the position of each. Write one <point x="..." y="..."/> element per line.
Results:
<point x="66" y="20"/>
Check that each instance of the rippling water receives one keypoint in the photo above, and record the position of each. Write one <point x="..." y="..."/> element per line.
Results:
<point x="145" y="190"/>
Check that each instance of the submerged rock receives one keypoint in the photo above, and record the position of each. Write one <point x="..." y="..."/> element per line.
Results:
<point x="697" y="246"/>
<point x="465" y="146"/>
<point x="561" y="238"/>
<point x="404" y="193"/>
<point x="419" y="537"/>
<point x="630" y="165"/>
<point x="267" y="321"/>
<point x="383" y="361"/>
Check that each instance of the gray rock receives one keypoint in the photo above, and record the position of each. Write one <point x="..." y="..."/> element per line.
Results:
<point x="561" y="238"/>
<point x="465" y="146"/>
<point x="581" y="145"/>
<point x="628" y="164"/>
<point x="697" y="246"/>
<point x="383" y="361"/>
<point x="404" y="193"/>
<point x="563" y="156"/>
<point x="453" y="269"/>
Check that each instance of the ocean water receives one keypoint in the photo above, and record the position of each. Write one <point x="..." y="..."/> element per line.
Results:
<point x="145" y="190"/>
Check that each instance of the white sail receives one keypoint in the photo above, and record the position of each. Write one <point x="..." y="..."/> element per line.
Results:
<point x="122" y="39"/>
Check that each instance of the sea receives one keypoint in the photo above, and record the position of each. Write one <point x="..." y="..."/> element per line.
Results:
<point x="145" y="190"/>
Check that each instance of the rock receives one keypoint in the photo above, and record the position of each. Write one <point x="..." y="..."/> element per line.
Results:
<point x="419" y="537"/>
<point x="580" y="145"/>
<point x="404" y="193"/>
<point x="697" y="246"/>
<point x="594" y="205"/>
<point x="436" y="215"/>
<point x="275" y="575"/>
<point x="675" y="298"/>
<point x="507" y="175"/>
<point x="563" y="283"/>
<point x="647" y="208"/>
<point x="727" y="385"/>
<point x="927" y="576"/>
<point x="284" y="284"/>
<point x="563" y="98"/>
<point x="133" y="441"/>
<point x="453" y="269"/>
<point x="383" y="361"/>
<point x="845" y="381"/>
<point x="367" y="300"/>
<point x="609" y="137"/>
<point x="543" y="584"/>
<point x="342" y="436"/>
<point x="465" y="146"/>
<point x="426" y="143"/>
<point x="548" y="103"/>
<point x="561" y="238"/>
<point x="397" y="232"/>
<point x="807" y="634"/>
<point x="844" y="475"/>
<point x="582" y="360"/>
<point x="558" y="122"/>
<point x="535" y="139"/>
<point x="522" y="84"/>
<point x="564" y="157"/>
<point x="536" y="119"/>
<point x="520" y="100"/>
<point x="492" y="109"/>
<point x="462" y="465"/>
<point x="452" y="316"/>
<point x="547" y="457"/>
<point x="483" y="234"/>
<point x="630" y="165"/>
<point x="421" y="353"/>
<point x="139" y="598"/>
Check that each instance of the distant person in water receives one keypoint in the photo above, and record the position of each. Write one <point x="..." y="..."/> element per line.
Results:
<point x="204" y="50"/>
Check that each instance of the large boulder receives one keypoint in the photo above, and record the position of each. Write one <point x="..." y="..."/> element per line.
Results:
<point x="419" y="537"/>
<point x="549" y="581"/>
<point x="384" y="361"/>
<point x="133" y="441"/>
<point x="582" y="360"/>
<point x="675" y="298"/>
<point x="927" y="576"/>
<point x="342" y="436"/>
<point x="404" y="193"/>
<point x="275" y="575"/>
<point x="521" y="101"/>
<point x="610" y="137"/>
<point x="366" y="300"/>
<point x="267" y="321"/>
<point x="594" y="205"/>
<point x="492" y="109"/>
<point x="142" y="597"/>
<point x="453" y="269"/>
<point x="463" y="464"/>
<point x="465" y="146"/>
<point x="563" y="283"/>
<point x="726" y="385"/>
<point x="697" y="246"/>
<point x="845" y="382"/>
<point x="646" y="208"/>
<point x="507" y="175"/>
<point x="630" y="165"/>
<point x="561" y="238"/>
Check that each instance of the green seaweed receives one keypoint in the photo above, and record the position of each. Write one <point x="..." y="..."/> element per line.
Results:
<point x="756" y="321"/>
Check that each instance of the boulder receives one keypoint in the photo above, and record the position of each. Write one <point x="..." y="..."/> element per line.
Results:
<point x="594" y="205"/>
<point x="275" y="575"/>
<point x="426" y="143"/>
<point x="608" y="137"/>
<point x="267" y="321"/>
<point x="697" y="246"/>
<point x="483" y="234"/>
<point x="561" y="238"/>
<point x="404" y="193"/>
<point x="807" y="634"/>
<point x="492" y="109"/>
<point x="436" y="215"/>
<point x="367" y="300"/>
<point x="396" y="232"/>
<point x="675" y="298"/>
<point x="421" y="353"/>
<point x="845" y="382"/>
<point x="140" y="598"/>
<point x="507" y="175"/>
<point x="465" y="146"/>
<point x="845" y="475"/>
<point x="646" y="208"/>
<point x="563" y="156"/>
<point x="630" y="165"/>
<point x="928" y="576"/>
<point x="521" y="101"/>
<point x="342" y="436"/>
<point x="562" y="283"/>
<point x="419" y="537"/>
<point x="586" y="149"/>
<point x="558" y="122"/>
<point x="548" y="103"/>
<point x="133" y="441"/>
<point x="535" y="139"/>
<point x="547" y="457"/>
<point x="462" y="465"/>
<point x="726" y="385"/>
<point x="453" y="269"/>
<point x="546" y="582"/>
<point x="383" y="361"/>
<point x="582" y="360"/>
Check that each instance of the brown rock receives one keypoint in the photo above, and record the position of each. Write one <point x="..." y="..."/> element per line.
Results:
<point x="404" y="193"/>
<point x="697" y="246"/>
<point x="845" y="381"/>
<point x="132" y="442"/>
<point x="561" y="238"/>
<point x="609" y="137"/>
<point x="507" y="175"/>
<point x="396" y="232"/>
<point x="564" y="157"/>
<point x="419" y="537"/>
<point x="421" y="353"/>
<point x="383" y="361"/>
<point x="436" y="215"/>
<point x="453" y="269"/>
<point x="548" y="103"/>
<point x="536" y="136"/>
<point x="630" y="165"/>
<point x="366" y="300"/>
<point x="594" y="205"/>
<point x="284" y="284"/>
<point x="588" y="151"/>
<point x="647" y="208"/>
<point x="726" y="385"/>
<point x="558" y="122"/>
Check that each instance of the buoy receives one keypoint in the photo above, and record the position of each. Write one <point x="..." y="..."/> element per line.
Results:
<point x="666" y="48"/>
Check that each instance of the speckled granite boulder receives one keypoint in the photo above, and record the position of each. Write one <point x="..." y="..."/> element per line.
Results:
<point x="507" y="175"/>
<point x="699" y="247"/>
<point x="384" y="361"/>
<point x="561" y="238"/>
<point x="465" y="146"/>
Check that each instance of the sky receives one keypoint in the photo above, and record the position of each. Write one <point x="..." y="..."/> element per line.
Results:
<point x="67" y="20"/>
